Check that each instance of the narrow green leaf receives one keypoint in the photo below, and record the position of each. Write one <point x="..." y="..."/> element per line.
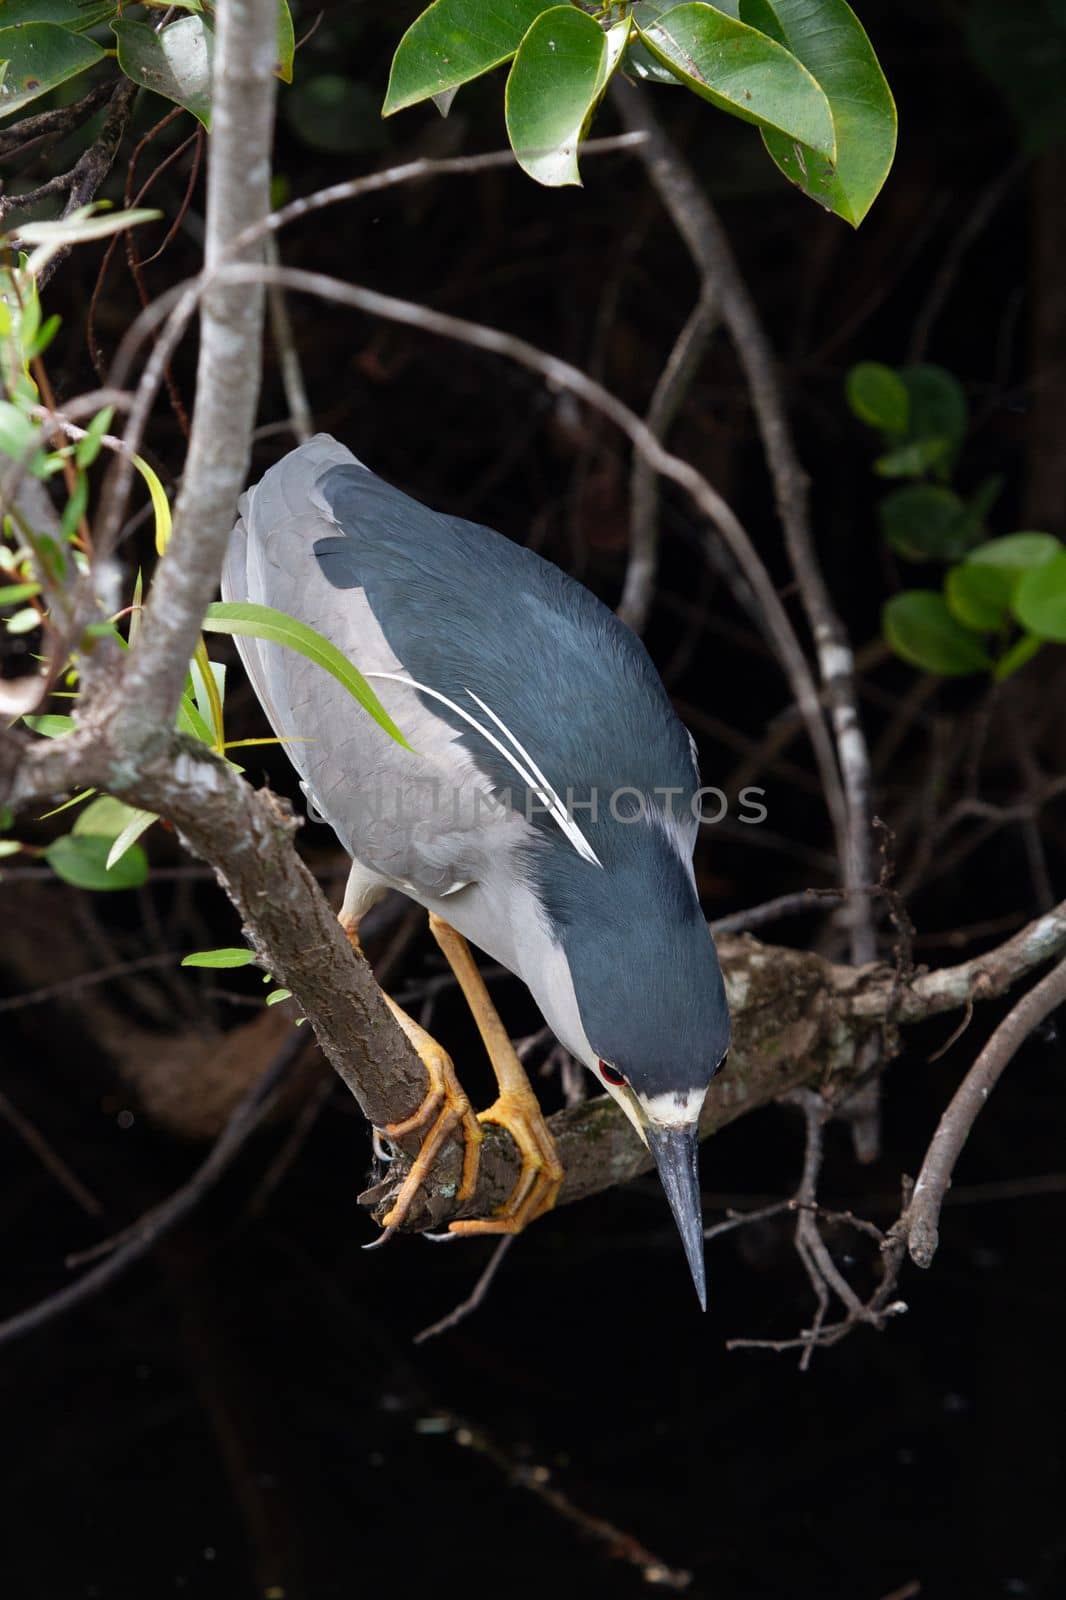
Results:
<point x="286" y="43"/>
<point x="559" y="74"/>
<point x="139" y="822"/>
<point x="921" y="629"/>
<point x="742" y="71"/>
<point x="263" y="622"/>
<point x="828" y="38"/>
<point x="88" y="449"/>
<point x="23" y="621"/>
<point x="81" y="860"/>
<point x="878" y="396"/>
<point x="454" y="41"/>
<point x="39" y="57"/>
<point x="14" y="592"/>
<point x="278" y="994"/>
<point x="175" y="63"/>
<point x="235" y="957"/>
<point x="1040" y="599"/>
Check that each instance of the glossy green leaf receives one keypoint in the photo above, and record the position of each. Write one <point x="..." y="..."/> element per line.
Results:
<point x="639" y="62"/>
<point x="175" y="63"/>
<point x="1040" y="599"/>
<point x="741" y="71"/>
<point x="828" y="38"/>
<point x="263" y="622"/>
<point x="77" y="15"/>
<point x="235" y="957"/>
<point x="559" y="74"/>
<point x="926" y="522"/>
<point x="453" y="42"/>
<point x="286" y="43"/>
<point x="921" y="629"/>
<point x="81" y="860"/>
<point x="39" y="57"/>
<point x="878" y="396"/>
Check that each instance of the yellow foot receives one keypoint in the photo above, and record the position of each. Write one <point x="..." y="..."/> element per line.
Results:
<point x="444" y="1109"/>
<point x="539" y="1181"/>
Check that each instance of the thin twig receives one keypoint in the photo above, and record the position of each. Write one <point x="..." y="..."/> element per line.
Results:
<point x="50" y="1159"/>
<point x="954" y="1128"/>
<point x="784" y="905"/>
<point x="474" y="1299"/>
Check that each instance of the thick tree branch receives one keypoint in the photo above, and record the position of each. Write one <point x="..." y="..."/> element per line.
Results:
<point x="227" y="381"/>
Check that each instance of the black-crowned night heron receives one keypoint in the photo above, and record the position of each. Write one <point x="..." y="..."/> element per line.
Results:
<point x="546" y="809"/>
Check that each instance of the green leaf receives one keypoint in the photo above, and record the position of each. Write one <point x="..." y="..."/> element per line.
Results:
<point x="741" y="71"/>
<point x="39" y="57"/>
<point x="914" y="460"/>
<point x="926" y="522"/>
<point x="1017" y="552"/>
<point x="1021" y="651"/>
<point x="278" y="994"/>
<point x="50" y="725"/>
<point x="828" y="38"/>
<point x="979" y="597"/>
<point x="1040" y="599"/>
<point x="878" y="396"/>
<point x="23" y="621"/>
<point x="236" y="957"/>
<point x="106" y="817"/>
<point x="286" y="43"/>
<point x="559" y="74"/>
<point x="921" y="629"/>
<point x="18" y="433"/>
<point x="938" y="408"/>
<point x="76" y="15"/>
<point x="175" y="63"/>
<point x="139" y="822"/>
<point x="263" y="622"/>
<point x="89" y="448"/>
<point x="14" y="592"/>
<point x="81" y="860"/>
<point x="9" y="847"/>
<point x="453" y="42"/>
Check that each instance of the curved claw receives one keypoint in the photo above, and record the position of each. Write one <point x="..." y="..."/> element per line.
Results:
<point x="540" y="1179"/>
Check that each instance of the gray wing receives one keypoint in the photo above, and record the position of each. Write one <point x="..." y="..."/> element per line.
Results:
<point x="412" y="819"/>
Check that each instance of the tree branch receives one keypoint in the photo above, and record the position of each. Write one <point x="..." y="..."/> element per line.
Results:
<point x="920" y="1220"/>
<point x="227" y="380"/>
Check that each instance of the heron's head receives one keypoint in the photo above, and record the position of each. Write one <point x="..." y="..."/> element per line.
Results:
<point x="654" y="1021"/>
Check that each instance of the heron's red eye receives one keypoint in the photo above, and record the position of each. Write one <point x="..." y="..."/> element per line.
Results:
<point x="610" y="1075"/>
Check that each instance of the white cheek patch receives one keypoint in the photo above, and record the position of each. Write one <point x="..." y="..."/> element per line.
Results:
<point x="674" y="1109"/>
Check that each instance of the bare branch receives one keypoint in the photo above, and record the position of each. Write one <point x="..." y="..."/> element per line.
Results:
<point x="923" y="1214"/>
<point x="697" y="222"/>
<point x="227" y="382"/>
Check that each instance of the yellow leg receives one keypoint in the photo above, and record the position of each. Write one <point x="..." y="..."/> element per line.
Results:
<point x="444" y="1109"/>
<point x="516" y="1107"/>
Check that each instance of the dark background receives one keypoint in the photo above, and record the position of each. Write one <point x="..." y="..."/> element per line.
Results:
<point x="245" y="1413"/>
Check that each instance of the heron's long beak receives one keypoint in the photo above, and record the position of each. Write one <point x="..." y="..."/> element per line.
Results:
<point x="676" y="1152"/>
